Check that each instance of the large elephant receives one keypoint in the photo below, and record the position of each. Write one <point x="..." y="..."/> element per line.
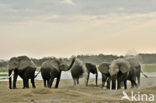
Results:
<point x="104" y="69"/>
<point x="81" y="69"/>
<point x="25" y="68"/>
<point x="119" y="72"/>
<point x="51" y="69"/>
<point x="125" y="69"/>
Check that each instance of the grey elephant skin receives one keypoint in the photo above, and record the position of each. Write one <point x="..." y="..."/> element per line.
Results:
<point x="125" y="69"/>
<point x="25" y="68"/>
<point x="104" y="69"/>
<point x="80" y="69"/>
<point x="51" y="69"/>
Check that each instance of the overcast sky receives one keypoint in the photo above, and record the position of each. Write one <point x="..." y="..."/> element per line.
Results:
<point x="63" y="28"/>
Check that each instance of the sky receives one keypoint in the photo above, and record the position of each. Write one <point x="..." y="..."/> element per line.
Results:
<point x="62" y="28"/>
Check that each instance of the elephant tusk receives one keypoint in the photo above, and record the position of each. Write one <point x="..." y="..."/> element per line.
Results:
<point x="116" y="84"/>
<point x="8" y="76"/>
<point x="111" y="85"/>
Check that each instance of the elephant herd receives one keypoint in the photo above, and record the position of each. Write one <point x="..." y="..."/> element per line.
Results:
<point x="114" y="73"/>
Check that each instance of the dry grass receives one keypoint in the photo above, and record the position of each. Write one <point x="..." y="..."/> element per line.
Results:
<point x="66" y="93"/>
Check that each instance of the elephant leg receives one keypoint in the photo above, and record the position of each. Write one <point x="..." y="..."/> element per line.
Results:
<point x="77" y="81"/>
<point x="51" y="82"/>
<point x="103" y="81"/>
<point x="57" y="82"/>
<point x="125" y="84"/>
<point x="33" y="83"/>
<point x="118" y="84"/>
<point x="87" y="79"/>
<point x="48" y="83"/>
<point x="24" y="84"/>
<point x="14" y="80"/>
<point x="45" y="85"/>
<point x="138" y="78"/>
<point x="74" y="80"/>
<point x="27" y="83"/>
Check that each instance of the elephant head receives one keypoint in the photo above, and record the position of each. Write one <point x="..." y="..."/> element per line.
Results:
<point x="64" y="66"/>
<point x="92" y="68"/>
<point x="119" y="65"/>
<point x="118" y="68"/>
<point x="104" y="69"/>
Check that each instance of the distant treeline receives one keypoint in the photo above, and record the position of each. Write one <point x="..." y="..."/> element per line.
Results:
<point x="96" y="59"/>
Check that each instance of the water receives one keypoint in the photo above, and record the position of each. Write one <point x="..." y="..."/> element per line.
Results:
<point x="67" y="75"/>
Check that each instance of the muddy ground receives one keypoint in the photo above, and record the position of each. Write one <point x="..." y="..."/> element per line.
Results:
<point x="67" y="93"/>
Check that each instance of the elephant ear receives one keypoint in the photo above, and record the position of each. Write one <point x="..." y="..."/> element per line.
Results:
<point x="13" y="63"/>
<point x="124" y="65"/>
<point x="104" y="67"/>
<point x="25" y="62"/>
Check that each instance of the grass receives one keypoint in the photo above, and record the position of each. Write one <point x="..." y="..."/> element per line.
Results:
<point x="149" y="68"/>
<point x="3" y="74"/>
<point x="66" y="93"/>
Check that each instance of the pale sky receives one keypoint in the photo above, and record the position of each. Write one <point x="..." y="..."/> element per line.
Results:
<point x="63" y="28"/>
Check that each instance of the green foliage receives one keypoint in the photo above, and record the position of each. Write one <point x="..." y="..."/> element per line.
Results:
<point x="3" y="69"/>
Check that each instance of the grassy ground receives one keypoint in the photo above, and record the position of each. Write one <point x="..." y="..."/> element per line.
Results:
<point x="66" y="93"/>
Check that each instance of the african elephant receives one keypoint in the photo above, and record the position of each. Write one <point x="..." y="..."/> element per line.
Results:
<point x="25" y="68"/>
<point x="104" y="69"/>
<point x="125" y="69"/>
<point x="119" y="72"/>
<point x="51" y="69"/>
<point x="81" y="69"/>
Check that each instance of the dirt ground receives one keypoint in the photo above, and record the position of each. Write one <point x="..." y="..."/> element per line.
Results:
<point x="67" y="93"/>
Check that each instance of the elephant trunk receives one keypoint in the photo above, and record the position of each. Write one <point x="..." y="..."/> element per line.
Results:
<point x="10" y="78"/>
<point x="96" y="78"/>
<point x="116" y="82"/>
<point x="71" y="64"/>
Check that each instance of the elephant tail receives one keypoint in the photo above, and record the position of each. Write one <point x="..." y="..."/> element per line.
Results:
<point x="8" y="76"/>
<point x="144" y="74"/>
<point x="37" y="74"/>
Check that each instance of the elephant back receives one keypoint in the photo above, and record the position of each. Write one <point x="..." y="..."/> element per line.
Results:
<point x="134" y="62"/>
<point x="52" y="64"/>
<point x="104" y="67"/>
<point x="25" y="62"/>
<point x="91" y="67"/>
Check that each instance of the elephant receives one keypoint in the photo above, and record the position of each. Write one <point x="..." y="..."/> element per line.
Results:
<point x="125" y="69"/>
<point x="51" y="69"/>
<point x="119" y="72"/>
<point x="104" y="69"/>
<point x="81" y="69"/>
<point x="25" y="68"/>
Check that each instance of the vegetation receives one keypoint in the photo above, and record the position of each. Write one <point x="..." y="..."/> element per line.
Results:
<point x="66" y="93"/>
<point x="149" y="68"/>
<point x="96" y="59"/>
